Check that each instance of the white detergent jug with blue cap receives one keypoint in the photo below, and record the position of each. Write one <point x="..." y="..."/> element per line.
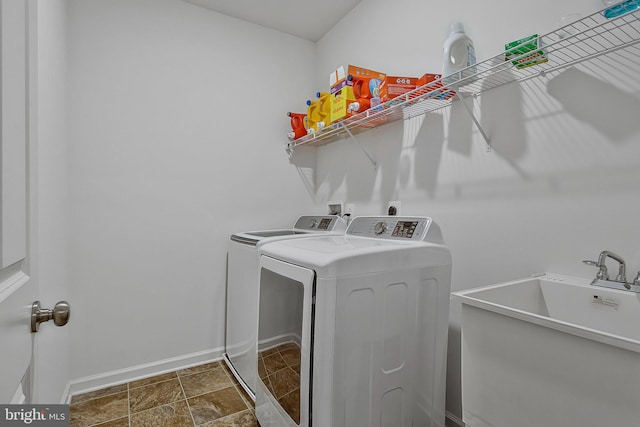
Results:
<point x="459" y="54"/>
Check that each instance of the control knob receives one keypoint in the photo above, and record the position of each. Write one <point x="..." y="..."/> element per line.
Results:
<point x="380" y="228"/>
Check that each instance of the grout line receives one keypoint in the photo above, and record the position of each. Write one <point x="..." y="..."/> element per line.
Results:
<point x="186" y="400"/>
<point x="165" y="403"/>
<point x="237" y="388"/>
<point x="231" y="415"/>
<point x="100" y="397"/>
<point x="210" y="391"/>
<point x="129" y="404"/>
<point x="150" y="384"/>
<point x="159" y="406"/>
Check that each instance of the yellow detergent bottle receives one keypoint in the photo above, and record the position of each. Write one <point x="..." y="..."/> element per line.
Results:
<point x="324" y="108"/>
<point x="313" y="116"/>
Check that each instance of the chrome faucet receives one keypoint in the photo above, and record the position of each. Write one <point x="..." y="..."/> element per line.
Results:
<point x="621" y="277"/>
<point x="602" y="277"/>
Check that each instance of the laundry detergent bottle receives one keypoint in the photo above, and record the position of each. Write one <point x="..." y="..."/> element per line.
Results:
<point x="313" y="116"/>
<point x="298" y="123"/>
<point x="361" y="93"/>
<point x="324" y="110"/>
<point x="458" y="54"/>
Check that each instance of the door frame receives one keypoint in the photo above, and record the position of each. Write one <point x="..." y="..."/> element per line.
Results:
<point x="267" y="407"/>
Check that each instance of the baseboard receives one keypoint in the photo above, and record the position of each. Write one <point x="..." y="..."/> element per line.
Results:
<point x="453" y="421"/>
<point x="108" y="379"/>
<point x="66" y="395"/>
<point x="278" y="340"/>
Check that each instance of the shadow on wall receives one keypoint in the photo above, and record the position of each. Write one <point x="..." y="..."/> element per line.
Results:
<point x="344" y="164"/>
<point x="460" y="130"/>
<point x="611" y="111"/>
<point x="332" y="176"/>
<point x="390" y="157"/>
<point x="304" y="159"/>
<point x="427" y="156"/>
<point x="503" y="117"/>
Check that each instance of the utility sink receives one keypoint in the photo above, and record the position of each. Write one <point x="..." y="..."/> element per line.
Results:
<point x="550" y="350"/>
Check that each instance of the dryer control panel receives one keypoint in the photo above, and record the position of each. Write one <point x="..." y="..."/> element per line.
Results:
<point x="391" y="227"/>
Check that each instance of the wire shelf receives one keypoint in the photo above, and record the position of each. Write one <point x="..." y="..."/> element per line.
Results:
<point x="584" y="39"/>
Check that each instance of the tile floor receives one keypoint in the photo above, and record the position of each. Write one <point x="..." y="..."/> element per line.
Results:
<point x="205" y="395"/>
<point x="279" y="370"/>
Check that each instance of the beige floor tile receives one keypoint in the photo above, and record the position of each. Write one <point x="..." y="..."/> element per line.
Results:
<point x="205" y="382"/>
<point x="284" y="381"/>
<point x="218" y="404"/>
<point x="247" y="400"/>
<point x="291" y="404"/>
<point x="240" y="419"/>
<point x="98" y="410"/>
<point x="174" y="414"/>
<point x="273" y="363"/>
<point x="291" y="356"/>
<point x="262" y="371"/>
<point x="120" y="422"/>
<point x="152" y="380"/>
<point x="143" y="398"/>
<point x="199" y="368"/>
<point x="269" y="352"/>
<point x="229" y="373"/>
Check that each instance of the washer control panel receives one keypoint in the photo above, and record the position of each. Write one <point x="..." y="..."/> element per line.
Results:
<point x="321" y="223"/>
<point x="390" y="227"/>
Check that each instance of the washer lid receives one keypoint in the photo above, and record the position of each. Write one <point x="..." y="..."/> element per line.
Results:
<point x="400" y="243"/>
<point x="306" y="225"/>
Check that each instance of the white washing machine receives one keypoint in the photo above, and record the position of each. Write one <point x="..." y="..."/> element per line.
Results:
<point x="353" y="329"/>
<point x="242" y="290"/>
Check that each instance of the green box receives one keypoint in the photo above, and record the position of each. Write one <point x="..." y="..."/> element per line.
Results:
<point x="531" y="45"/>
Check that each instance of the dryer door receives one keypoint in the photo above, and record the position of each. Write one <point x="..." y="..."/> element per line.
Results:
<point x="284" y="343"/>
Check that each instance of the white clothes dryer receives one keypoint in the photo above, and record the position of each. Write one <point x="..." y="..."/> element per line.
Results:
<point x="353" y="329"/>
<point x="242" y="290"/>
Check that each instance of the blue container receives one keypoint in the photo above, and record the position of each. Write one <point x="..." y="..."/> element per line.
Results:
<point x="621" y="9"/>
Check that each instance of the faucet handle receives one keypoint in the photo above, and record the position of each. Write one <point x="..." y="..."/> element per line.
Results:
<point x="602" y="269"/>
<point x="636" y="281"/>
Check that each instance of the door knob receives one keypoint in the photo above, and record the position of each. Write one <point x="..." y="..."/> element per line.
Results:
<point x="60" y="314"/>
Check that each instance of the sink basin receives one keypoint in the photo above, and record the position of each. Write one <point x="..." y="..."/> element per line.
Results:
<point x="550" y="350"/>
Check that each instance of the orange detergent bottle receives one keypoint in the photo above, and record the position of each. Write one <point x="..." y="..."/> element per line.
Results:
<point x="361" y="87"/>
<point x="362" y="93"/>
<point x="298" y="125"/>
<point x="324" y="107"/>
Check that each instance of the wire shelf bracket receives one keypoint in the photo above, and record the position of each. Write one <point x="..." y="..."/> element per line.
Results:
<point x="366" y="153"/>
<point x="469" y="110"/>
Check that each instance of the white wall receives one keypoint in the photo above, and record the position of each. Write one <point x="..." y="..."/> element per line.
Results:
<point x="52" y="200"/>
<point x="561" y="183"/>
<point x="177" y="133"/>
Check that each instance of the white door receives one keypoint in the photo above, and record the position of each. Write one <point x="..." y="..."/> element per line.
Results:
<point x="17" y="290"/>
